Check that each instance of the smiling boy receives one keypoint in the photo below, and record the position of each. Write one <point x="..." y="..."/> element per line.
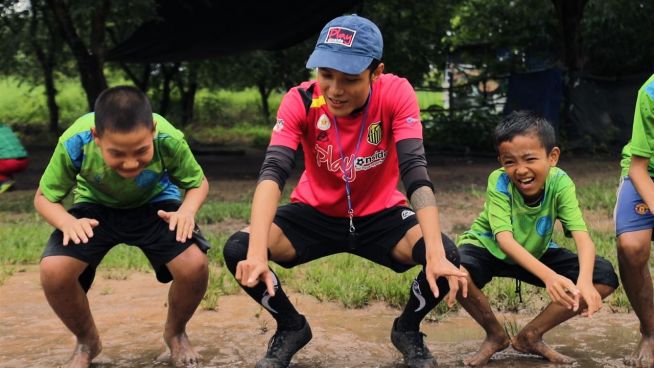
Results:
<point x="125" y="166"/>
<point x="512" y="237"/>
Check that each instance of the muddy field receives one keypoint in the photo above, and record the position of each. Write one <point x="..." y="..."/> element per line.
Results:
<point x="130" y="313"/>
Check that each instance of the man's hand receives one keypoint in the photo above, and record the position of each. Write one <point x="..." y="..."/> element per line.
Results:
<point x="563" y="291"/>
<point x="592" y="298"/>
<point x="250" y="272"/>
<point x="78" y="230"/>
<point x="444" y="268"/>
<point x="183" y="221"/>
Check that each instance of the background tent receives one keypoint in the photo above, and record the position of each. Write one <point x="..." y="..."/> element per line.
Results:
<point x="197" y="29"/>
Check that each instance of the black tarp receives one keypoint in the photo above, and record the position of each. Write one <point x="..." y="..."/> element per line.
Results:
<point x="539" y="91"/>
<point x="601" y="110"/>
<point x="200" y="29"/>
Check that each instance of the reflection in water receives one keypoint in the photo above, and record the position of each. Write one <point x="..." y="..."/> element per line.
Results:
<point x="130" y="315"/>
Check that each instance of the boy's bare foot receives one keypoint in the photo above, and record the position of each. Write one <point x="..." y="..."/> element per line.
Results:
<point x="84" y="354"/>
<point x="182" y="353"/>
<point x="489" y="347"/>
<point x="530" y="343"/>
<point x="644" y="354"/>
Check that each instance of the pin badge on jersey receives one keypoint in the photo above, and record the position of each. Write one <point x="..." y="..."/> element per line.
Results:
<point x="323" y="122"/>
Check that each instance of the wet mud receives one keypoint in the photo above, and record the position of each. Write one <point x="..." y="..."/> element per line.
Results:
<point x="130" y="314"/>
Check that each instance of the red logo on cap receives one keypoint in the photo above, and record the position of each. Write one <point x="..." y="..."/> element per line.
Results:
<point x="341" y="36"/>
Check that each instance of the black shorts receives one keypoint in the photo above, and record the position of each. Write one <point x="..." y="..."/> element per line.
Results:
<point x="140" y="227"/>
<point x="314" y="235"/>
<point x="483" y="266"/>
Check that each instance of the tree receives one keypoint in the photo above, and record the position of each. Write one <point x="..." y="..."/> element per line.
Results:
<point x="79" y="19"/>
<point x="29" y="29"/>
<point x="413" y="33"/>
<point x="267" y="71"/>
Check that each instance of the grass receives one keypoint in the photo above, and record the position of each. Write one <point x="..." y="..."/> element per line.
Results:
<point x="352" y="281"/>
<point x="222" y="117"/>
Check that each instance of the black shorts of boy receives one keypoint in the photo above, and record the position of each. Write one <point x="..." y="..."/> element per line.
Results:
<point x="483" y="266"/>
<point x="315" y="235"/>
<point x="140" y="227"/>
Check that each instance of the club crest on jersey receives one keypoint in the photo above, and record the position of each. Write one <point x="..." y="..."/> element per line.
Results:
<point x="375" y="133"/>
<point x="323" y="123"/>
<point x="341" y="36"/>
<point x="279" y="125"/>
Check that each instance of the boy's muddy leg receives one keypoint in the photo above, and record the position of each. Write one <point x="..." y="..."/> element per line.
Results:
<point x="530" y="338"/>
<point x="59" y="278"/>
<point x="477" y="305"/>
<point x="190" y="276"/>
<point x="633" y="256"/>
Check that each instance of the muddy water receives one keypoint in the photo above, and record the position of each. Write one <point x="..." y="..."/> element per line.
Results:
<point x="130" y="314"/>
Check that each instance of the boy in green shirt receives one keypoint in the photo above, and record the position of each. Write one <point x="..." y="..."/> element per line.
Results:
<point x="512" y="237"/>
<point x="634" y="222"/>
<point x="125" y="166"/>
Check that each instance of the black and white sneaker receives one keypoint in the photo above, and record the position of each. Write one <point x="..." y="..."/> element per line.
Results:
<point x="412" y="346"/>
<point x="283" y="345"/>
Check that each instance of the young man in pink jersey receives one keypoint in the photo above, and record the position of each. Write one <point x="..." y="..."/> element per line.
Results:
<point x="360" y="131"/>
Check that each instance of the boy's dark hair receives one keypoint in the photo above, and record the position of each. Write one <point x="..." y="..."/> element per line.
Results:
<point x="525" y="122"/>
<point x="122" y="109"/>
<point x="373" y="65"/>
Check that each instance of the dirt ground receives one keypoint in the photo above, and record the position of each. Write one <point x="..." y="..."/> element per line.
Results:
<point x="130" y="313"/>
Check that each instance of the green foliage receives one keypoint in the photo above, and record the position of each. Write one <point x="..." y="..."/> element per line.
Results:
<point x="23" y="103"/>
<point x="214" y="211"/>
<point x="503" y="35"/>
<point x="460" y="131"/>
<point x="353" y="281"/>
<point x="617" y="36"/>
<point x="599" y="196"/>
<point x="412" y="32"/>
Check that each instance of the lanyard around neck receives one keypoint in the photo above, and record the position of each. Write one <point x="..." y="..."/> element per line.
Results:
<point x="346" y="176"/>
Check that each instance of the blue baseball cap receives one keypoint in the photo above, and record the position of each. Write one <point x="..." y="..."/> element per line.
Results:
<point x="347" y="44"/>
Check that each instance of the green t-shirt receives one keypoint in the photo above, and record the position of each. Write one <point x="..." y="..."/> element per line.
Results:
<point x="77" y="162"/>
<point x="532" y="227"/>
<point x="10" y="146"/>
<point x="642" y="135"/>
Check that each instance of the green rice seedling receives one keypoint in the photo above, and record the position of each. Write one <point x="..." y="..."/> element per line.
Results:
<point x="511" y="326"/>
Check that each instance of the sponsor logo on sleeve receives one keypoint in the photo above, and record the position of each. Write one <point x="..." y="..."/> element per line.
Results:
<point x="341" y="36"/>
<point x="375" y="133"/>
<point x="411" y="120"/>
<point x="279" y="125"/>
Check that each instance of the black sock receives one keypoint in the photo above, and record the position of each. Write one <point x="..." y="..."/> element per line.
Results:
<point x="421" y="302"/>
<point x="421" y="299"/>
<point x="279" y="306"/>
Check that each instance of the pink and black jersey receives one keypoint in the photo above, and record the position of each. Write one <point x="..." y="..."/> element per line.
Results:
<point x="393" y="115"/>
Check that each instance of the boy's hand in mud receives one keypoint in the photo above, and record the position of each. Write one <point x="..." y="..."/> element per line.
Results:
<point x="78" y="230"/>
<point x="184" y="222"/>
<point x="563" y="291"/>
<point x="592" y="298"/>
